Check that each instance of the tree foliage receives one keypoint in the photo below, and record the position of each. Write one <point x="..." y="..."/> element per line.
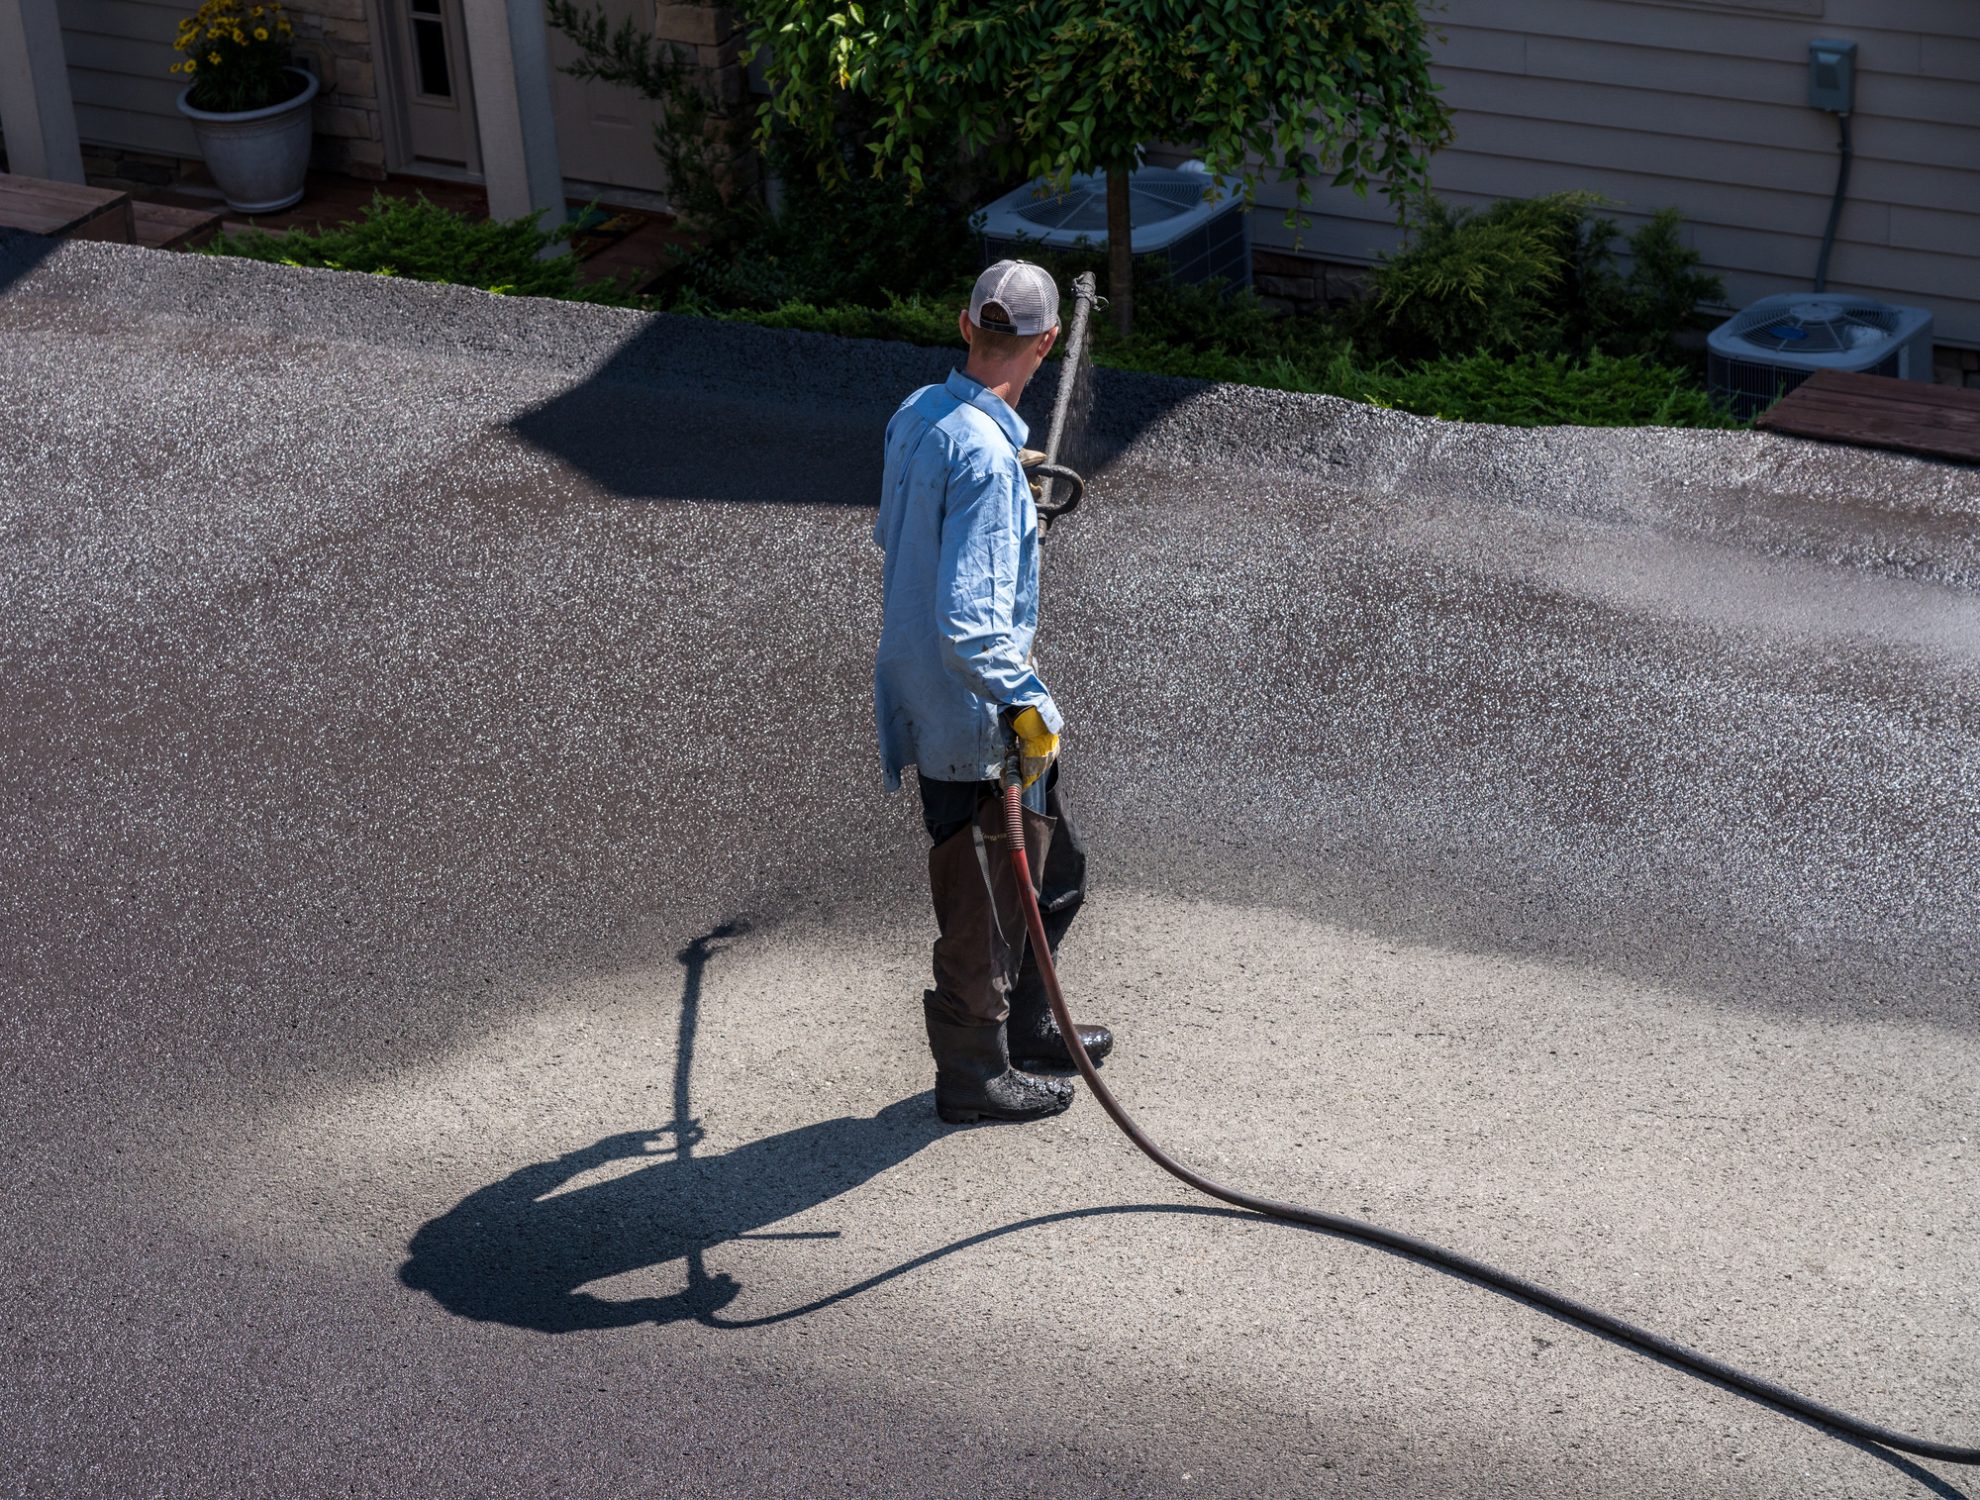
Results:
<point x="1300" y="89"/>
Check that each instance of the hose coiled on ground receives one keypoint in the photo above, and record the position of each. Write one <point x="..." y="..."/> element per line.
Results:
<point x="1518" y="1286"/>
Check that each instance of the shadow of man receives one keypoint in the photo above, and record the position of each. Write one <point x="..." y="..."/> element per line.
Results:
<point x="518" y="1251"/>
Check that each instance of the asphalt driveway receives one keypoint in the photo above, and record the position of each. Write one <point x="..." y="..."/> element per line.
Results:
<point x="461" y="969"/>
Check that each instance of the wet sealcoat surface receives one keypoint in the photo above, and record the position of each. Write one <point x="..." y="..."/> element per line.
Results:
<point x="463" y="975"/>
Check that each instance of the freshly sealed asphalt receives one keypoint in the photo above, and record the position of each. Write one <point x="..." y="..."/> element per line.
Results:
<point x="461" y="967"/>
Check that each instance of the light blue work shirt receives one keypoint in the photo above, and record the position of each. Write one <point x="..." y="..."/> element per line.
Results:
<point x="960" y="531"/>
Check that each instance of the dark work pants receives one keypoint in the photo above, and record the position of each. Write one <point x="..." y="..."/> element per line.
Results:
<point x="983" y="966"/>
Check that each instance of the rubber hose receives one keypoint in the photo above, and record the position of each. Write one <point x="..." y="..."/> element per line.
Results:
<point x="1354" y="1229"/>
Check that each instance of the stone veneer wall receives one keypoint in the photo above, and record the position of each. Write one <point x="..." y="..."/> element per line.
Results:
<point x="350" y="121"/>
<point x="715" y="35"/>
<point x="1952" y="366"/>
<point x="1298" y="283"/>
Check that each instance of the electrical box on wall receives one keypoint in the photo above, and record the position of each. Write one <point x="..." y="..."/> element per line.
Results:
<point x="1832" y="75"/>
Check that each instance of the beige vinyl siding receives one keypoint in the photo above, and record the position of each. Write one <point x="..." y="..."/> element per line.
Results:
<point x="120" y="59"/>
<point x="1700" y="105"/>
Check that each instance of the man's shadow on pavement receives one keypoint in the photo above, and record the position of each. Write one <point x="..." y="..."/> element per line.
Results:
<point x="518" y="1250"/>
<point x="508" y="1253"/>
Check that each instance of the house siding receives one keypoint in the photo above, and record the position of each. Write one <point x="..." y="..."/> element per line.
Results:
<point x="1701" y="106"/>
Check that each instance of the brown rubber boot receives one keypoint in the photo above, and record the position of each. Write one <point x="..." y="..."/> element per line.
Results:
<point x="1035" y="1040"/>
<point x="974" y="1079"/>
<point x="1032" y="1031"/>
<point x="979" y="915"/>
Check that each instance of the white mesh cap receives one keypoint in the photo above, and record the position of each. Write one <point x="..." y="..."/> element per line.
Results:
<point x="1027" y="294"/>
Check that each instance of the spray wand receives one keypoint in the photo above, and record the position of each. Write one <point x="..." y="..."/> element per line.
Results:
<point x="1044" y="469"/>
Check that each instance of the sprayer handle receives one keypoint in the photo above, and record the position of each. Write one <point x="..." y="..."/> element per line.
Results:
<point x="1062" y="475"/>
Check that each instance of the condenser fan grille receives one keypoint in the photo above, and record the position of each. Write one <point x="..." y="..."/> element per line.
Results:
<point x="1816" y="328"/>
<point x="1766" y="350"/>
<point x="1085" y="208"/>
<point x="1196" y="225"/>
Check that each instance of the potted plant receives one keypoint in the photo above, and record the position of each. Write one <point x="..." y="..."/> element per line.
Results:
<point x="248" y="104"/>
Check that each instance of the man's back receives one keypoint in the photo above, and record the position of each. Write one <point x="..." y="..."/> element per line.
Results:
<point x="960" y="533"/>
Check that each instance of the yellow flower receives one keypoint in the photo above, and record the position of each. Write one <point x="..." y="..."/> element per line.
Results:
<point x="261" y="33"/>
<point x="239" y="39"/>
<point x="287" y="29"/>
<point x="213" y="57"/>
<point x="255" y="11"/>
<point x="191" y="66"/>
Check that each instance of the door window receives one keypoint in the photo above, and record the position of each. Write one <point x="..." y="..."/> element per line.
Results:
<point x="429" y="31"/>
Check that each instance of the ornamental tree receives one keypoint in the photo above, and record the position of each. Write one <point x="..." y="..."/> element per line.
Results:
<point x="1297" y="90"/>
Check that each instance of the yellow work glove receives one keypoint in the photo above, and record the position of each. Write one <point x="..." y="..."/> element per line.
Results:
<point x="1037" y="746"/>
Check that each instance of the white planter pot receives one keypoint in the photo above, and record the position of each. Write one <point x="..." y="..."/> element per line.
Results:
<point x="258" y="157"/>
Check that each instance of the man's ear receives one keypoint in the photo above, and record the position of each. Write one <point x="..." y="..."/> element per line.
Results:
<point x="1045" y="344"/>
<point x="962" y="322"/>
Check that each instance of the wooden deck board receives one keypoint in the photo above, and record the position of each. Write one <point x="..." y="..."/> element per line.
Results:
<point x="66" y="209"/>
<point x="1879" y="412"/>
<point x="166" y="226"/>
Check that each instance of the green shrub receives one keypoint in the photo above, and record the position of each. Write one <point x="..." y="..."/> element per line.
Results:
<point x="1639" y="314"/>
<point x="1528" y="390"/>
<point x="1215" y="319"/>
<point x="1210" y="317"/>
<point x="863" y="241"/>
<point x="907" y="320"/>
<point x="1537" y="390"/>
<point x="1532" y="275"/>
<point x="1468" y="282"/>
<point x="420" y="240"/>
<point x="874" y="264"/>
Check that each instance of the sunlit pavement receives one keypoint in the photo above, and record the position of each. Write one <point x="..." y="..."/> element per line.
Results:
<point x="462" y="1001"/>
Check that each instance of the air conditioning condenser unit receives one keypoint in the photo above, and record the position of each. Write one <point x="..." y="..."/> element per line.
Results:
<point x="1764" y="351"/>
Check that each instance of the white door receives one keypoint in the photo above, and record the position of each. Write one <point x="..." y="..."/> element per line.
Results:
<point x="427" y="76"/>
<point x="605" y="130"/>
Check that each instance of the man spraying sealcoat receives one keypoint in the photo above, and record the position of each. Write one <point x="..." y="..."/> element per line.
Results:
<point x="956" y="692"/>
